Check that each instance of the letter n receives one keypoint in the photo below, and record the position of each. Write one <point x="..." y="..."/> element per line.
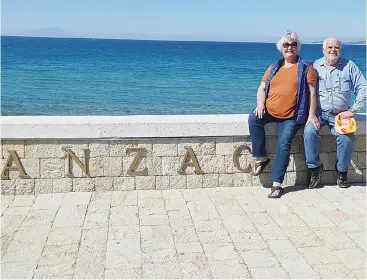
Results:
<point x="190" y="160"/>
<point x="72" y="157"/>
<point x="13" y="157"/>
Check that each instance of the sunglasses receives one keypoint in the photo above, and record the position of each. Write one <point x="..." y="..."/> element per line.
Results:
<point x="287" y="45"/>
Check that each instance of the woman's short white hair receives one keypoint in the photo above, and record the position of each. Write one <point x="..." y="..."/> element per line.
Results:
<point x="289" y="36"/>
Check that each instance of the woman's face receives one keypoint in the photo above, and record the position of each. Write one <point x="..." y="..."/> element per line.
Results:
<point x="289" y="49"/>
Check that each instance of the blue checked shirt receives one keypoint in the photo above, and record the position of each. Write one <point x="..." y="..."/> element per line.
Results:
<point x="336" y="86"/>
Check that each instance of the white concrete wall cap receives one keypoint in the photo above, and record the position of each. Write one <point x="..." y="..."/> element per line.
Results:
<point x="142" y="126"/>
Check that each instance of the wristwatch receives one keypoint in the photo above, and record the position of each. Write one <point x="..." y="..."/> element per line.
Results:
<point x="352" y="110"/>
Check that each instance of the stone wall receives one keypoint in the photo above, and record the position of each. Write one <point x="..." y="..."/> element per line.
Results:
<point x="154" y="163"/>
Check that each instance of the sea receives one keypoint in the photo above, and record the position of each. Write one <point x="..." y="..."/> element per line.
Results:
<point x="113" y="77"/>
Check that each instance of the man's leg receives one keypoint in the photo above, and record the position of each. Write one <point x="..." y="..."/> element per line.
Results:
<point x="344" y="151"/>
<point x="311" y="138"/>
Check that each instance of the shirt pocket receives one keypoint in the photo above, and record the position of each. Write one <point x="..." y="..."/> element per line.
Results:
<point x="322" y="85"/>
<point x="344" y="83"/>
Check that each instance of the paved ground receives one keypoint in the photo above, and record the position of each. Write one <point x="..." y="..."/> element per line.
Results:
<point x="197" y="233"/>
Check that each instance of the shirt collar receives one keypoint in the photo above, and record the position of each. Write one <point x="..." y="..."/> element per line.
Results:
<point x="323" y="62"/>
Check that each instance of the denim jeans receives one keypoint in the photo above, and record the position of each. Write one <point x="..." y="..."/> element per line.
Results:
<point x="344" y="143"/>
<point x="287" y="129"/>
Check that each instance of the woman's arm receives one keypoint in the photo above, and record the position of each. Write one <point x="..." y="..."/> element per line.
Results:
<point x="260" y="98"/>
<point x="312" y="110"/>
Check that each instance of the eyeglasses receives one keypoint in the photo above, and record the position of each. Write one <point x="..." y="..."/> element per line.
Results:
<point x="287" y="45"/>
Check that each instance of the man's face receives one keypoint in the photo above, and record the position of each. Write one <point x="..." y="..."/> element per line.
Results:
<point x="332" y="51"/>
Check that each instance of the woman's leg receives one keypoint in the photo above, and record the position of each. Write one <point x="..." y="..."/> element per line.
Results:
<point x="257" y="133"/>
<point x="287" y="130"/>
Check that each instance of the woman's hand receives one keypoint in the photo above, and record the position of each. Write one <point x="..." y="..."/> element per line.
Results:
<point x="259" y="111"/>
<point x="313" y="119"/>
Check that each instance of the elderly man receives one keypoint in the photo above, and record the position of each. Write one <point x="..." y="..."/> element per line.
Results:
<point x="338" y="78"/>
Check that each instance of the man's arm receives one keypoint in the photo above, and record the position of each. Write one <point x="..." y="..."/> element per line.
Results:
<point x="359" y="88"/>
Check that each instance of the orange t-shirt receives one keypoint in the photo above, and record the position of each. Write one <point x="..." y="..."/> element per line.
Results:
<point x="282" y="97"/>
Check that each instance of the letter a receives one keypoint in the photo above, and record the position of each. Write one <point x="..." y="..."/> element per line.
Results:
<point x="190" y="160"/>
<point x="13" y="157"/>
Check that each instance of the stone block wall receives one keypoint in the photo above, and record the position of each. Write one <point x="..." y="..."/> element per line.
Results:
<point x="46" y="164"/>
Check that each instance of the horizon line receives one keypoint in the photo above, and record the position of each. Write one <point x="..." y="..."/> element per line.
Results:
<point x="357" y="42"/>
<point x="135" y="39"/>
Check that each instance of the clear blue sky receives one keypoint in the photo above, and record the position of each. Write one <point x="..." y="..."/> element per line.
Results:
<point x="225" y="20"/>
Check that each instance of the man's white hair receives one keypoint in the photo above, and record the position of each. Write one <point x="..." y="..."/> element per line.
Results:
<point x="325" y="41"/>
<point x="289" y="36"/>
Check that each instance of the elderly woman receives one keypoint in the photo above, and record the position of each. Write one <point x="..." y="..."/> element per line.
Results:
<point x="287" y="97"/>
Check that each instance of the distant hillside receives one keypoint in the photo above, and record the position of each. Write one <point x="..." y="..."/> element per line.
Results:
<point x="46" y="32"/>
<point x="356" y="43"/>
<point x="345" y="43"/>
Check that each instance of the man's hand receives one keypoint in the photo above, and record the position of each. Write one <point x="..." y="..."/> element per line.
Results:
<point x="259" y="111"/>
<point x="313" y="119"/>
<point x="346" y="115"/>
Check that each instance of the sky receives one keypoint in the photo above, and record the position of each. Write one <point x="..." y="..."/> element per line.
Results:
<point x="204" y="20"/>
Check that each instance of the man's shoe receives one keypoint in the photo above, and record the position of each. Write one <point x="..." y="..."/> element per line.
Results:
<point x="314" y="176"/>
<point x="341" y="178"/>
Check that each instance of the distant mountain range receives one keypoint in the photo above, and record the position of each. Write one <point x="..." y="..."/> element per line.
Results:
<point x="345" y="43"/>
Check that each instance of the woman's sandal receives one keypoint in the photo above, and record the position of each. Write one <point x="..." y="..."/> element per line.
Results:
<point x="259" y="167"/>
<point x="273" y="190"/>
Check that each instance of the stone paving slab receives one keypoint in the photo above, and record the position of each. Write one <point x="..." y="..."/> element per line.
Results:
<point x="220" y="233"/>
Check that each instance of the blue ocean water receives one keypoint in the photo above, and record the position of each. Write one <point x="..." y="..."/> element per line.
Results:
<point x="58" y="76"/>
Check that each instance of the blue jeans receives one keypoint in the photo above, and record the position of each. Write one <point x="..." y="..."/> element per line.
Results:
<point x="344" y="143"/>
<point x="287" y="129"/>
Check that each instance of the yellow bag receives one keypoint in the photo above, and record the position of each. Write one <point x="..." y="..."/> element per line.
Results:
<point x="345" y="126"/>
